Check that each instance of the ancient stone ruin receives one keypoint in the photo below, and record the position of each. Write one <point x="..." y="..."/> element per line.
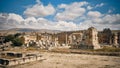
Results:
<point x="82" y="39"/>
<point x="15" y="58"/>
<point x="88" y="40"/>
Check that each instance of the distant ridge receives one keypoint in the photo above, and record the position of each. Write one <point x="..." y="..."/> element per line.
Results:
<point x="19" y="30"/>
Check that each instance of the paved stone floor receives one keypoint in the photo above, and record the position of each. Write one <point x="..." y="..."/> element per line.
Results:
<point x="58" y="60"/>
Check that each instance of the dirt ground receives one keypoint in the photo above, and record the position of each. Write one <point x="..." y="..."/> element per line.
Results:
<point x="58" y="60"/>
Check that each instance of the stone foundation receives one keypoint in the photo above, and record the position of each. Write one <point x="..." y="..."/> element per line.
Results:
<point x="20" y="60"/>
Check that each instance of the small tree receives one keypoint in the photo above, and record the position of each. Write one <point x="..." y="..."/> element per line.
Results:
<point x="9" y="38"/>
<point x="17" y="42"/>
<point x="17" y="34"/>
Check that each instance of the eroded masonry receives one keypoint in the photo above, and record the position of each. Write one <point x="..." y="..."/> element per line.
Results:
<point x="83" y="39"/>
<point x="15" y="58"/>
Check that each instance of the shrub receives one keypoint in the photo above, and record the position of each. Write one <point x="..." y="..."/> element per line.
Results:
<point x="17" y="42"/>
<point x="9" y="38"/>
<point x="15" y="39"/>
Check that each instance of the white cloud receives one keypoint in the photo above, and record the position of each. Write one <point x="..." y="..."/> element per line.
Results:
<point x="72" y="11"/>
<point x="107" y="21"/>
<point x="15" y="17"/>
<point x="111" y="19"/>
<point x="65" y="26"/>
<point x="38" y="1"/>
<point x="74" y="16"/>
<point x="16" y="21"/>
<point x="3" y="20"/>
<point x="94" y="14"/>
<point x="39" y="10"/>
<point x="70" y="14"/>
<point x="99" y="5"/>
<point x="89" y="7"/>
<point x="62" y="6"/>
<point x="110" y="11"/>
<point x="10" y="20"/>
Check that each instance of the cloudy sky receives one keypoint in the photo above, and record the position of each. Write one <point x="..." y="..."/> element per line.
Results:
<point x="60" y="14"/>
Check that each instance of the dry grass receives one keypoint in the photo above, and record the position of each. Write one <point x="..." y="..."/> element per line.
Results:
<point x="108" y="49"/>
<point x="104" y="51"/>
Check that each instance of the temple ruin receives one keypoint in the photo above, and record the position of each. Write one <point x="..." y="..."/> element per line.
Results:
<point x="82" y="39"/>
<point x="88" y="39"/>
<point x="15" y="58"/>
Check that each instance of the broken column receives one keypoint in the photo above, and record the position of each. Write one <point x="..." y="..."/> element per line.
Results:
<point x="115" y="40"/>
<point x="91" y="39"/>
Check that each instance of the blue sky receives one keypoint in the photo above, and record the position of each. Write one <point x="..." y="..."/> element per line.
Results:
<point x="18" y="6"/>
<point x="60" y="14"/>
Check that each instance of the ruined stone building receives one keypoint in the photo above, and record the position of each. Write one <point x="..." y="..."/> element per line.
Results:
<point x="105" y="36"/>
<point x="88" y="39"/>
<point x="119" y="38"/>
<point x="48" y="39"/>
<point x="108" y="37"/>
<point x="42" y="40"/>
<point x="62" y="37"/>
<point x="82" y="39"/>
<point x="29" y="39"/>
<point x="75" y="38"/>
<point x="115" y="39"/>
<point x="2" y="38"/>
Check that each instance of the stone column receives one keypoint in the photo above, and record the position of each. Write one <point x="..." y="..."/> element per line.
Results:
<point x="110" y="41"/>
<point x="66" y="39"/>
<point x="27" y="44"/>
<point x="92" y="38"/>
<point x="115" y="39"/>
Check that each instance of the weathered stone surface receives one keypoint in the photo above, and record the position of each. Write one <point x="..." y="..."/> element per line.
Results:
<point x="88" y="40"/>
<point x="17" y="58"/>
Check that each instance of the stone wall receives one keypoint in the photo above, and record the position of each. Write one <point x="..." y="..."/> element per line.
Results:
<point x="89" y="40"/>
<point x="14" y="58"/>
<point x="16" y="61"/>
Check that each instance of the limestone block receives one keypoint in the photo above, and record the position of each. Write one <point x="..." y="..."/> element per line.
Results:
<point x="27" y="59"/>
<point x="33" y="58"/>
<point x="20" y="61"/>
<point x="13" y="62"/>
<point x="30" y="58"/>
<point x="38" y="57"/>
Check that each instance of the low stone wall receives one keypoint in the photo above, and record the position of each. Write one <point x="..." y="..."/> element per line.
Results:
<point x="15" y="61"/>
<point x="12" y="54"/>
<point x="15" y="54"/>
